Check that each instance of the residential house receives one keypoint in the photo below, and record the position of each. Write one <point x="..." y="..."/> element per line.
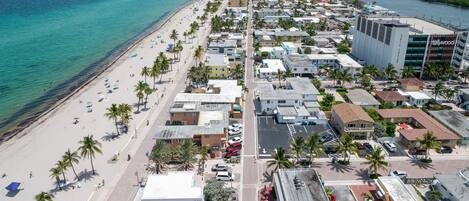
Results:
<point x="391" y="188"/>
<point x="300" y="65"/>
<point x="291" y="102"/>
<point x="175" y="186"/>
<point x="227" y="47"/>
<point x="352" y="119"/>
<point x="416" y="98"/>
<point x="392" y="97"/>
<point x="218" y="65"/>
<point x="308" y="64"/>
<point x="453" y="187"/>
<point x="289" y="47"/>
<point x="299" y="184"/>
<point x="410" y="84"/>
<point x="455" y="121"/>
<point x="362" y="98"/>
<point x="414" y="123"/>
<point x="269" y="68"/>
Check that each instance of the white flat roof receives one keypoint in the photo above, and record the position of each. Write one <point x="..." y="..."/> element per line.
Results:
<point x="425" y="27"/>
<point x="172" y="186"/>
<point x="396" y="188"/>
<point x="343" y="59"/>
<point x="418" y="95"/>
<point x="271" y="66"/>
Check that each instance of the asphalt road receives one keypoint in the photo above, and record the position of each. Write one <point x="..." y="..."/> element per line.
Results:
<point x="250" y="178"/>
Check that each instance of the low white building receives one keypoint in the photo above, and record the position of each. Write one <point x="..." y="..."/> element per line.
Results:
<point x="174" y="186"/>
<point x="307" y="65"/>
<point x="269" y="68"/>
<point x="416" y="98"/>
<point x="295" y="101"/>
<point x="393" y="188"/>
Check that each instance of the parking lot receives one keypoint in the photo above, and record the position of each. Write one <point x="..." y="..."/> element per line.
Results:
<point x="272" y="135"/>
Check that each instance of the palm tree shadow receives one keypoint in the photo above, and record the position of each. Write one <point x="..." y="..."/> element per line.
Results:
<point x="86" y="175"/>
<point x="316" y="165"/>
<point x="416" y="162"/>
<point x="362" y="174"/>
<point x="110" y="137"/>
<point x="340" y="168"/>
<point x="268" y="176"/>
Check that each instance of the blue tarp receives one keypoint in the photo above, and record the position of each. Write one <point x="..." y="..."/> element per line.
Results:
<point x="13" y="186"/>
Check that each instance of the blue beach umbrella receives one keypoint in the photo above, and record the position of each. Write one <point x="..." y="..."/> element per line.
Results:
<point x="13" y="186"/>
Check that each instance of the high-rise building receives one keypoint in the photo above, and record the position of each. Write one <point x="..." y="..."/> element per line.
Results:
<point x="409" y="41"/>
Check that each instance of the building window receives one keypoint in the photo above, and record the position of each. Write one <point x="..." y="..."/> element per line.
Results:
<point x="282" y="101"/>
<point x="305" y="69"/>
<point x="268" y="101"/>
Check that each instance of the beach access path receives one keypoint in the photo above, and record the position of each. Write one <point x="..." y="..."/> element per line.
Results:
<point x="27" y="159"/>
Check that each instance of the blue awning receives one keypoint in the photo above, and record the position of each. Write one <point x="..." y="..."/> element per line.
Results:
<point x="13" y="186"/>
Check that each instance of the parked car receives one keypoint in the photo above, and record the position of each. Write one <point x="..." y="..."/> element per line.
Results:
<point x="224" y="176"/>
<point x="368" y="147"/>
<point x="237" y="125"/>
<point x="391" y="147"/>
<point x="326" y="138"/>
<point x="229" y="154"/>
<point x="236" y="145"/>
<point x="234" y="140"/>
<point x="446" y="150"/>
<point x="234" y="129"/>
<point x="231" y="149"/>
<point x="398" y="173"/>
<point x="234" y="132"/>
<point x="220" y="167"/>
<point x="308" y="123"/>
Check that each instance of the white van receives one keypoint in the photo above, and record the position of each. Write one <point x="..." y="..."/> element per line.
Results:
<point x="391" y="147"/>
<point x="224" y="176"/>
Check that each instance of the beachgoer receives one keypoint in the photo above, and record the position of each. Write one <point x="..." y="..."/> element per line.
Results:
<point x="128" y="157"/>
<point x="103" y="182"/>
<point x="4" y="175"/>
<point x="148" y="122"/>
<point x="30" y="174"/>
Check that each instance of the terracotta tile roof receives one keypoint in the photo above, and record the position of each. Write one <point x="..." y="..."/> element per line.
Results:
<point x="411" y="81"/>
<point x="349" y="112"/>
<point x="390" y="96"/>
<point x="427" y="122"/>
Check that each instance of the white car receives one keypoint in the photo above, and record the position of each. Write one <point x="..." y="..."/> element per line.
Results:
<point x="237" y="125"/>
<point x="220" y="167"/>
<point x="231" y="128"/>
<point x="234" y="132"/>
<point x="391" y="147"/>
<point x="234" y="140"/>
<point x="224" y="176"/>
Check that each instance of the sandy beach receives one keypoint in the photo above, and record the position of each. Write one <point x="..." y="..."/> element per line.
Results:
<point x="27" y="159"/>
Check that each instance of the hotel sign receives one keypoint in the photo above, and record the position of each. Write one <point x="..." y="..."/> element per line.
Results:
<point x="439" y="42"/>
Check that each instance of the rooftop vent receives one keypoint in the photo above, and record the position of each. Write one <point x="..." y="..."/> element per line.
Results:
<point x="298" y="183"/>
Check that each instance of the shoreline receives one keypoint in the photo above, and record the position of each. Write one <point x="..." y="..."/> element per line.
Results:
<point x="60" y="94"/>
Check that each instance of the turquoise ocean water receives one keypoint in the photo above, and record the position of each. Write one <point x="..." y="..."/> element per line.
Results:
<point x="48" y="47"/>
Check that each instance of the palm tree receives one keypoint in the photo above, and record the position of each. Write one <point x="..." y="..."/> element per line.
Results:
<point x="280" y="159"/>
<point x="159" y="155"/>
<point x="439" y="88"/>
<point x="198" y="54"/>
<point x="297" y="144"/>
<point x="145" y="72"/>
<point x="139" y="89"/>
<point x="428" y="142"/>
<point x="203" y="153"/>
<point x="185" y="35"/>
<point x="345" y="76"/>
<point x="89" y="148"/>
<point x="71" y="158"/>
<point x="187" y="154"/>
<point x="125" y="114"/>
<point x="147" y="92"/>
<point x="174" y="36"/>
<point x="62" y="166"/>
<point x="345" y="144"/>
<point x="179" y="49"/>
<point x="164" y="62"/>
<point x="445" y="70"/>
<point x="434" y="195"/>
<point x="155" y="72"/>
<point x="280" y="76"/>
<point x="371" y="70"/>
<point x="237" y="72"/>
<point x="43" y="196"/>
<point x="314" y="146"/>
<point x="431" y="71"/>
<point x="376" y="161"/>
<point x="408" y="71"/>
<point x="55" y="173"/>
<point x="449" y="93"/>
<point x="113" y="113"/>
<point x="390" y="72"/>
<point x="334" y="75"/>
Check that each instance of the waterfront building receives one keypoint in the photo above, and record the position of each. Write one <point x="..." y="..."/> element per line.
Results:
<point x="409" y="41"/>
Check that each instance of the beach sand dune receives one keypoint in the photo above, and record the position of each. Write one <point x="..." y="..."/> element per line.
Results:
<point x="43" y="144"/>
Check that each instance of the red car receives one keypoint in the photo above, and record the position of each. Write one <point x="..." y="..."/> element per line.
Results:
<point x="231" y="149"/>
<point x="236" y="145"/>
<point x="229" y="155"/>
